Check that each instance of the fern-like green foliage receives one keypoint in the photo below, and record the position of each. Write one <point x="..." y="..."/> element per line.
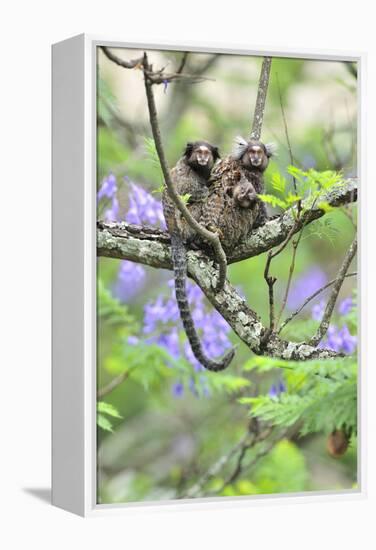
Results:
<point x="321" y="395"/>
<point x="153" y="158"/>
<point x="310" y="184"/>
<point x="111" y="311"/>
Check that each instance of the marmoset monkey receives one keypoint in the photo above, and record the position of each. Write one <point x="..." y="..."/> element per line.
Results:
<point x="190" y="176"/>
<point x="233" y="208"/>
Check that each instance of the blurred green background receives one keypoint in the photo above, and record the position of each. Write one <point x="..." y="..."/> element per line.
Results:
<point x="167" y="423"/>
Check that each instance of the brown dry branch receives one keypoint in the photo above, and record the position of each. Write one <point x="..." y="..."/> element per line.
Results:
<point x="324" y="324"/>
<point x="155" y="77"/>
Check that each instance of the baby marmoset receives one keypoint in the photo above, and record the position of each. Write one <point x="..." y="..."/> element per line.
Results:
<point x="233" y="208"/>
<point x="190" y="177"/>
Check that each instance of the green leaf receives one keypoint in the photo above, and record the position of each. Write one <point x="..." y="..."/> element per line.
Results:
<point x="152" y="156"/>
<point x="274" y="201"/>
<point x="111" y="311"/>
<point x="279" y="183"/>
<point x="185" y="198"/>
<point x="104" y="423"/>
<point x="292" y="199"/>
<point x="227" y="383"/>
<point x="325" y="206"/>
<point x="107" y="408"/>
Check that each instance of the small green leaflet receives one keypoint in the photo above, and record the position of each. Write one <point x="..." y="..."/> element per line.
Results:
<point x="106" y="409"/>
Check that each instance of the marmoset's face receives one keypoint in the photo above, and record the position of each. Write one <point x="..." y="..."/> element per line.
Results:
<point x="204" y="156"/>
<point x="256" y="155"/>
<point x="244" y="195"/>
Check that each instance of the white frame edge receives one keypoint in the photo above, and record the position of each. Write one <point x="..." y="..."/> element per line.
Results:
<point x="74" y="279"/>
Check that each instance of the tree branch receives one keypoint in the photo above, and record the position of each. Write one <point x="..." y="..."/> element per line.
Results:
<point x="309" y="299"/>
<point x="321" y="331"/>
<point x="258" y="117"/>
<point x="155" y="77"/>
<point x="151" y="247"/>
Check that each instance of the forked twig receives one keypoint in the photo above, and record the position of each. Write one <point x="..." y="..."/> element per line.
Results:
<point x="309" y="299"/>
<point x="324" y="325"/>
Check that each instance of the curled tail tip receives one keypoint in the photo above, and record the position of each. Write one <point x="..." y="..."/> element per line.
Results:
<point x="228" y="357"/>
<point x="217" y="366"/>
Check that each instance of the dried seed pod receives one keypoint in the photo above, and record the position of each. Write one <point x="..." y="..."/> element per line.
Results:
<point x="337" y="443"/>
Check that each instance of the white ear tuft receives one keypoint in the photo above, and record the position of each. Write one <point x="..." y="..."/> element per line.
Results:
<point x="240" y="146"/>
<point x="271" y="149"/>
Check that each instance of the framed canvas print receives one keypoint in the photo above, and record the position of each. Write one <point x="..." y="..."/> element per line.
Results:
<point x="206" y="275"/>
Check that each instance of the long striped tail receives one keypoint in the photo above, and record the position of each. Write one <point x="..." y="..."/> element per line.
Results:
<point x="179" y="260"/>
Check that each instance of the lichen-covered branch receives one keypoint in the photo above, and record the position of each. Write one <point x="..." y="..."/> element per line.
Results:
<point x="152" y="246"/>
<point x="114" y="240"/>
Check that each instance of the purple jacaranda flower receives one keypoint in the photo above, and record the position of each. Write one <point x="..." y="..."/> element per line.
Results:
<point x="346" y="306"/>
<point x="305" y="285"/>
<point x="318" y="311"/>
<point x="112" y="213"/>
<point x="144" y="208"/>
<point x="153" y="314"/>
<point x="130" y="280"/>
<point x="162" y="311"/>
<point x="349" y="342"/>
<point x="165" y="85"/>
<point x="192" y="387"/>
<point x="170" y="341"/>
<point x="133" y="340"/>
<point x="178" y="389"/>
<point x="162" y="326"/>
<point x="108" y="188"/>
<point x="333" y="339"/>
<point x="339" y="339"/>
<point x="276" y="389"/>
<point x="309" y="162"/>
<point x="188" y="354"/>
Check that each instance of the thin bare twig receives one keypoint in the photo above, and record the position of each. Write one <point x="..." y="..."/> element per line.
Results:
<point x="182" y="63"/>
<point x="155" y="77"/>
<point x="309" y="299"/>
<point x="270" y="281"/>
<point x="295" y="245"/>
<point x="197" y="488"/>
<point x="287" y="139"/>
<point x="212" y="238"/>
<point x="262" y="451"/>
<point x="115" y="382"/>
<point x="323" y="327"/>
<point x="258" y="116"/>
<point x="121" y="62"/>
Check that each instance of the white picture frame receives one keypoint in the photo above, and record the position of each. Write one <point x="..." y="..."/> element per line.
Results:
<point x="74" y="277"/>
